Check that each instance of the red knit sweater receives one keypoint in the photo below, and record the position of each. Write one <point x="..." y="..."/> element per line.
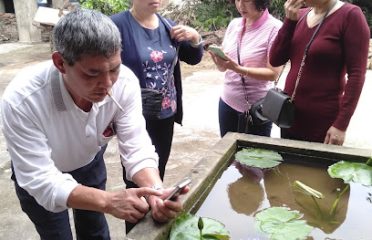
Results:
<point x="326" y="96"/>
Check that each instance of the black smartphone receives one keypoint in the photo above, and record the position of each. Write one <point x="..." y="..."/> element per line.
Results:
<point x="178" y="188"/>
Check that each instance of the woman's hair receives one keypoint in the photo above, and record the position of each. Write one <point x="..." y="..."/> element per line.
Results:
<point x="260" y="4"/>
<point x="85" y="32"/>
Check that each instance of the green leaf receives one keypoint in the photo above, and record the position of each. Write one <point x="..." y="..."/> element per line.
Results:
<point x="185" y="227"/>
<point x="260" y="158"/>
<point x="279" y="223"/>
<point x="352" y="172"/>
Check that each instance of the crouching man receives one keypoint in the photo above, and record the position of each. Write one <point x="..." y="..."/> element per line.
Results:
<point x="58" y="117"/>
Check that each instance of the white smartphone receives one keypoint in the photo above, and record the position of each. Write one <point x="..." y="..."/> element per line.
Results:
<point x="178" y="188"/>
<point x="217" y="51"/>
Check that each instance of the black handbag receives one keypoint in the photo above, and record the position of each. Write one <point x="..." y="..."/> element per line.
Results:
<point x="255" y="111"/>
<point x="151" y="103"/>
<point x="279" y="108"/>
<point x="244" y="121"/>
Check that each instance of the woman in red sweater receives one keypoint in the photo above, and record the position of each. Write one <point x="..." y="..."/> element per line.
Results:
<point x="334" y="71"/>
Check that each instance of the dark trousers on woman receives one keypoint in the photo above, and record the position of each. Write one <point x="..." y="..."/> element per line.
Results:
<point x="229" y="117"/>
<point x="161" y="134"/>
<point x="89" y="225"/>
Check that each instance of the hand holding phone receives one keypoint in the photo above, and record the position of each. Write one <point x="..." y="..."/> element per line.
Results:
<point x="217" y="51"/>
<point x="178" y="189"/>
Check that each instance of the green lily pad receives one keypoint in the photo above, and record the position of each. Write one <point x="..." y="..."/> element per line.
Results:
<point x="352" y="172"/>
<point x="259" y="158"/>
<point x="189" y="227"/>
<point x="280" y="223"/>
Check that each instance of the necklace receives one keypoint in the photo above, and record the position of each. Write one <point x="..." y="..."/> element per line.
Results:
<point x="150" y="22"/>
<point x="314" y="18"/>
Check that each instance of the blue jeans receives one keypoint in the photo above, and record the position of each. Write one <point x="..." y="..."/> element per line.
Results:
<point x="56" y="226"/>
<point x="228" y="119"/>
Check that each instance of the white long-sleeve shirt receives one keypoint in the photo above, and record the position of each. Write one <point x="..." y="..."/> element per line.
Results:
<point x="48" y="135"/>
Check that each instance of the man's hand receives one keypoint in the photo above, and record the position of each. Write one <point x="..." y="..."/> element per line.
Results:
<point x="164" y="210"/>
<point x="130" y="204"/>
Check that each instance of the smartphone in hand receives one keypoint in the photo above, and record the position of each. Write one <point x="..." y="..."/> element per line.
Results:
<point x="217" y="51"/>
<point x="178" y="188"/>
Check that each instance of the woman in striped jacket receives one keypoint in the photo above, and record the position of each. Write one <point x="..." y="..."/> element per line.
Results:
<point x="249" y="39"/>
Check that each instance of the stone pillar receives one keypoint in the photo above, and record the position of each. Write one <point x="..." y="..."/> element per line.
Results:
<point x="25" y="11"/>
<point x="2" y="6"/>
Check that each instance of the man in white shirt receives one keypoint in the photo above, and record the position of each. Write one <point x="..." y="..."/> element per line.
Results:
<point x="58" y="117"/>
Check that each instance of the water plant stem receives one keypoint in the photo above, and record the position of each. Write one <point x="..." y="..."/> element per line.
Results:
<point x="337" y="200"/>
<point x="317" y="206"/>
<point x="369" y="162"/>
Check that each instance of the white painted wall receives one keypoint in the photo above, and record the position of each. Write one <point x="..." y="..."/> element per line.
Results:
<point x="25" y="12"/>
<point x="2" y="6"/>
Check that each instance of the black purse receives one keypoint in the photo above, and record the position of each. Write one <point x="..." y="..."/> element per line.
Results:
<point x="279" y="108"/>
<point x="151" y="103"/>
<point x="277" y="105"/>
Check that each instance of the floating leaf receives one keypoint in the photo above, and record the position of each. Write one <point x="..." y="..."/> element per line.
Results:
<point x="302" y="187"/>
<point x="260" y="158"/>
<point x="279" y="223"/>
<point x="189" y="227"/>
<point x="352" y="172"/>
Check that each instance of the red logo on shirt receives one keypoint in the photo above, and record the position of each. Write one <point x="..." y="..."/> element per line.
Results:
<point x="109" y="131"/>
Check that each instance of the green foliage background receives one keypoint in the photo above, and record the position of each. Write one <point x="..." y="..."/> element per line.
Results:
<point x="208" y="15"/>
<point x="108" y="7"/>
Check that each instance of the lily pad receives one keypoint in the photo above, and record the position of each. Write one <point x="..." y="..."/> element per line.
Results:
<point x="280" y="223"/>
<point x="259" y="158"/>
<point x="352" y="172"/>
<point x="189" y="227"/>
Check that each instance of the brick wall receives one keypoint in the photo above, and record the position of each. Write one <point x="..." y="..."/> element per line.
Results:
<point x="8" y="28"/>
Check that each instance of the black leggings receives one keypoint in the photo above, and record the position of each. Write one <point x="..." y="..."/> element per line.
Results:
<point x="161" y="134"/>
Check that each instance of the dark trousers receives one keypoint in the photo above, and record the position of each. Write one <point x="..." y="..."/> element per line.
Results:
<point x="89" y="225"/>
<point x="229" y="117"/>
<point x="161" y="134"/>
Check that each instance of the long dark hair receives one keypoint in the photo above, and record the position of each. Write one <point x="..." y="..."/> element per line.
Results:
<point x="260" y="4"/>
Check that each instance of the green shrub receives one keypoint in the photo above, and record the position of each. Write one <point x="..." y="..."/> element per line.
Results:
<point x="107" y="7"/>
<point x="213" y="15"/>
<point x="277" y="9"/>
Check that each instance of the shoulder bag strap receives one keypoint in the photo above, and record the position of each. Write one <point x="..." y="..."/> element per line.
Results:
<point x="307" y="49"/>
<point x="238" y="42"/>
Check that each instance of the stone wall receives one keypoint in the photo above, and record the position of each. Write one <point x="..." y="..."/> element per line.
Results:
<point x="8" y="28"/>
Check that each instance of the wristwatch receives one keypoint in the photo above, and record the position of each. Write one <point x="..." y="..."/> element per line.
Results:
<point x="195" y="45"/>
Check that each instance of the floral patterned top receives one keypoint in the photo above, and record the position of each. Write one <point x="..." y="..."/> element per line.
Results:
<point x="158" y="56"/>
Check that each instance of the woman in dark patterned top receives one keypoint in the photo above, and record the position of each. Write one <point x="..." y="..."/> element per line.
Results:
<point x="334" y="72"/>
<point x="152" y="47"/>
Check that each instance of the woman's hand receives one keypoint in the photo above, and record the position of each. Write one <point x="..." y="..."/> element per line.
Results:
<point x="292" y="7"/>
<point x="185" y="33"/>
<point x="222" y="64"/>
<point x="334" y="136"/>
